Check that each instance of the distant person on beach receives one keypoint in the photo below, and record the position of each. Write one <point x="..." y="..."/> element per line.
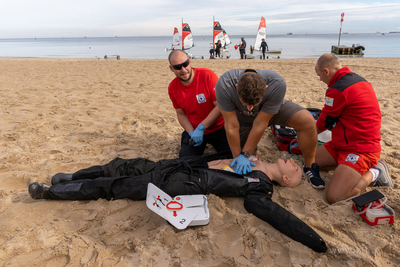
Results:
<point x="212" y="52"/>
<point x="250" y="101"/>
<point x="129" y="178"/>
<point x="218" y="49"/>
<point x="352" y="111"/>
<point x="192" y="93"/>
<point x="263" y="47"/>
<point x="242" y="48"/>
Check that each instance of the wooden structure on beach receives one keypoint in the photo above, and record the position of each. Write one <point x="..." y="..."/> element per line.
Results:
<point x="347" y="50"/>
<point x="342" y="50"/>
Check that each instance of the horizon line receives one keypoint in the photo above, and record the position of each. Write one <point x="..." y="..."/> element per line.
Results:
<point x="123" y="36"/>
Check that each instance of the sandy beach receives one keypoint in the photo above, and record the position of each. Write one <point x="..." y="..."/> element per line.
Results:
<point x="62" y="115"/>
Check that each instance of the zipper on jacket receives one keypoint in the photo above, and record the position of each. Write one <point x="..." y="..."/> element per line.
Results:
<point x="344" y="135"/>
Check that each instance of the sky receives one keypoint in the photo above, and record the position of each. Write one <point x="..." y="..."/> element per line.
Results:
<point x="99" y="18"/>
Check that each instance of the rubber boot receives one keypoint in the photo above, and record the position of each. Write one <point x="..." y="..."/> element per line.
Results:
<point x="61" y="177"/>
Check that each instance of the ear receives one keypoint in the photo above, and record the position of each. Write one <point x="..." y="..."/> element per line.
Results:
<point x="286" y="179"/>
<point x="171" y="68"/>
<point x="326" y="71"/>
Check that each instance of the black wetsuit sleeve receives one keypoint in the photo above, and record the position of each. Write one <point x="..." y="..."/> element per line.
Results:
<point x="261" y="205"/>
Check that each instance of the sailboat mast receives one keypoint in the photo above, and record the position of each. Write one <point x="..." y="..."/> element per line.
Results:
<point x="213" y="32"/>
<point x="182" y="33"/>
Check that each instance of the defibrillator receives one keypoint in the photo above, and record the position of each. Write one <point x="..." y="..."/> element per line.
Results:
<point x="373" y="209"/>
<point x="181" y="211"/>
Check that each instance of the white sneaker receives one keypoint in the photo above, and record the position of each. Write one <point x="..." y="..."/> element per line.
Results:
<point x="384" y="176"/>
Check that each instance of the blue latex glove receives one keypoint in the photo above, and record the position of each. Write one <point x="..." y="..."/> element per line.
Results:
<point x="197" y="134"/>
<point x="241" y="165"/>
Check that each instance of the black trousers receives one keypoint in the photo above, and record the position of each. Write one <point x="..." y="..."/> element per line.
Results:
<point x="217" y="139"/>
<point x="128" y="178"/>
<point x="242" y="53"/>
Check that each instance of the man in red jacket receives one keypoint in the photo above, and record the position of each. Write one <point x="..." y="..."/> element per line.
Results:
<point x="352" y="111"/>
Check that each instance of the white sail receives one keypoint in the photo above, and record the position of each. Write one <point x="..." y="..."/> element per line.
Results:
<point x="175" y="38"/>
<point x="261" y="34"/>
<point x="227" y="40"/>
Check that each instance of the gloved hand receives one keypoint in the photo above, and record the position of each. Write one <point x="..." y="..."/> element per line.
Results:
<point x="197" y="134"/>
<point x="242" y="165"/>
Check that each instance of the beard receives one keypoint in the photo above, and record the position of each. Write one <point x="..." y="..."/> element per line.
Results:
<point x="188" y="79"/>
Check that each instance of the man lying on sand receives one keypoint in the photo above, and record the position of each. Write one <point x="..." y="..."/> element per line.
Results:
<point x="129" y="178"/>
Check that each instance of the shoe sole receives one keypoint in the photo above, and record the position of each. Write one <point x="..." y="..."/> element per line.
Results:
<point x="309" y="181"/>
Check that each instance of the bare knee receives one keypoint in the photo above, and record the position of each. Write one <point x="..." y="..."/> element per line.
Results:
<point x="333" y="198"/>
<point x="303" y="121"/>
<point x="335" y="194"/>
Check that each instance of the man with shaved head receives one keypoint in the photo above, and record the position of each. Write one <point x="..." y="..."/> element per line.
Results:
<point x="352" y="111"/>
<point x="192" y="93"/>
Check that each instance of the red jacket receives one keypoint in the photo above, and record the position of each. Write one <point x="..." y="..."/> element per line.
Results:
<point x="351" y="103"/>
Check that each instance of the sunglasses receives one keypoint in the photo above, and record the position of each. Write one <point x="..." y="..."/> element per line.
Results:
<point x="179" y="66"/>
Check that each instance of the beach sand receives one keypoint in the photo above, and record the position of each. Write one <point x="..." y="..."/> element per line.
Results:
<point x="61" y="115"/>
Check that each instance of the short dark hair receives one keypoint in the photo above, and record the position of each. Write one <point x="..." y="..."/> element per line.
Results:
<point x="251" y="88"/>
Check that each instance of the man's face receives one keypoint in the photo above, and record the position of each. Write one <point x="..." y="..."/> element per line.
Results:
<point x="181" y="66"/>
<point x="324" y="74"/>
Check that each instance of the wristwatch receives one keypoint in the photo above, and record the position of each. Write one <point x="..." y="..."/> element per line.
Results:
<point x="245" y="154"/>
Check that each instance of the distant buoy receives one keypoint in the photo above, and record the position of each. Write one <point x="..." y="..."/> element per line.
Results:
<point x="90" y="47"/>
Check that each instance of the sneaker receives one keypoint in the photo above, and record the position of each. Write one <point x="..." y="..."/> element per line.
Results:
<point x="38" y="191"/>
<point x="312" y="174"/>
<point x="61" y="177"/>
<point x="384" y="177"/>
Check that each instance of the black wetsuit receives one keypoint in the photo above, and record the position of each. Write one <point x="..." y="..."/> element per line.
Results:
<point x="218" y="50"/>
<point x="128" y="178"/>
<point x="264" y="47"/>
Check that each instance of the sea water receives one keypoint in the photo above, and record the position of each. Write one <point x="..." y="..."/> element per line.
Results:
<point x="292" y="46"/>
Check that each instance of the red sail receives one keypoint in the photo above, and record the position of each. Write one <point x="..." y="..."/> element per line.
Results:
<point x="187" y="39"/>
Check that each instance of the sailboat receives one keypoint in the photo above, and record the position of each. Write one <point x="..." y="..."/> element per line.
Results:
<point x="262" y="34"/>
<point x="219" y="34"/>
<point x="187" y="38"/>
<point x="175" y="40"/>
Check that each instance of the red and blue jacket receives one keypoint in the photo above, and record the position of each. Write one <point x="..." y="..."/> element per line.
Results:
<point x="352" y="109"/>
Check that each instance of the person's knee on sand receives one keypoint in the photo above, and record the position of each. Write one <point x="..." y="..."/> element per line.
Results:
<point x="345" y="183"/>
